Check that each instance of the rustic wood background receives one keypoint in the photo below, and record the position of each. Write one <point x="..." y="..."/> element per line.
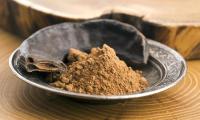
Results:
<point x="172" y="22"/>
<point x="20" y="101"/>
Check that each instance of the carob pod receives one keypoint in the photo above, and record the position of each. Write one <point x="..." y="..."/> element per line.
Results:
<point x="46" y="49"/>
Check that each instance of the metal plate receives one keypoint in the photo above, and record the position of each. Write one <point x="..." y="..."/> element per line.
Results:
<point x="164" y="69"/>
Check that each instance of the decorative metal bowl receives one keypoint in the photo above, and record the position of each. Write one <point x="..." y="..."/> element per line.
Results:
<point x="165" y="68"/>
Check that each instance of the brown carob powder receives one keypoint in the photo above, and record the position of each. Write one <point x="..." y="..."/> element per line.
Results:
<point x="101" y="73"/>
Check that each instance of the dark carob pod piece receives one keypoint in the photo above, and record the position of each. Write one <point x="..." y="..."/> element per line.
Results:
<point x="46" y="49"/>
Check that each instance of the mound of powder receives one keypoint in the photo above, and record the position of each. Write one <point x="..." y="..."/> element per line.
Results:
<point x="100" y="72"/>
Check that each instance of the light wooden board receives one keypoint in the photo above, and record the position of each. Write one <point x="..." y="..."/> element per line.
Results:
<point x="20" y="101"/>
<point x="155" y="11"/>
<point x="172" y="22"/>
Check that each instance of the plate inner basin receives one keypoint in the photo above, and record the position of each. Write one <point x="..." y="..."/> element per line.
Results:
<point x="153" y="71"/>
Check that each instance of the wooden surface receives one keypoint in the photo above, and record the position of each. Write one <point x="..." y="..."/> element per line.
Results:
<point x="156" y="11"/>
<point x="20" y="101"/>
<point x="173" y="22"/>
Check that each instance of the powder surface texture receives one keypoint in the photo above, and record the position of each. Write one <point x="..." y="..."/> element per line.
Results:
<point x="100" y="72"/>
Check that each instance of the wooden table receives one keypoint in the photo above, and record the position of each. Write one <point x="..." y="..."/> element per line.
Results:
<point x="19" y="100"/>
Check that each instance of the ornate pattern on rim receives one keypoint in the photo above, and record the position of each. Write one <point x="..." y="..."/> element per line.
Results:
<point x="173" y="63"/>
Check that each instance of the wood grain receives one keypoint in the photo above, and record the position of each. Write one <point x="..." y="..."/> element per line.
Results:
<point x="173" y="22"/>
<point x="20" y="101"/>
